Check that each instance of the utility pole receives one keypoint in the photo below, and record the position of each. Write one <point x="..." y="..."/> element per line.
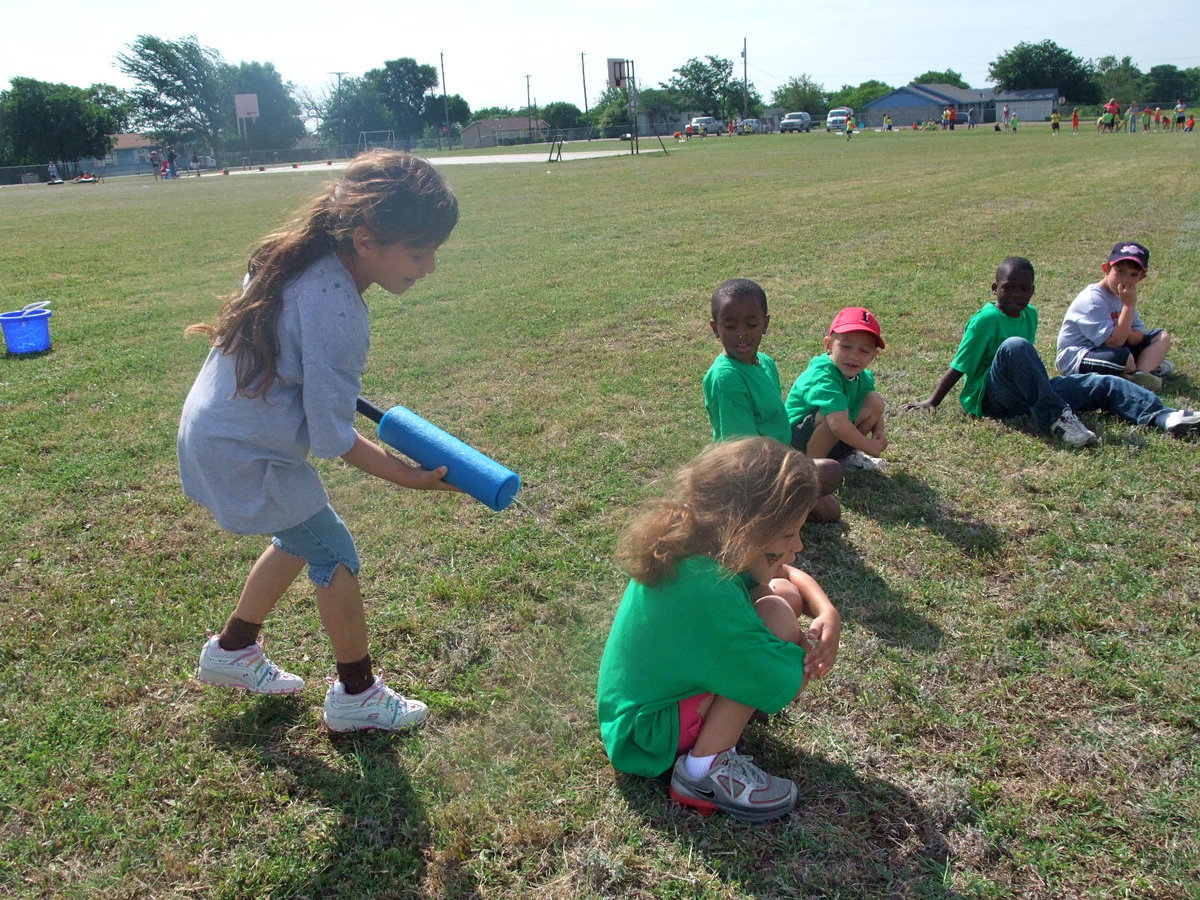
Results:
<point x="529" y="107"/>
<point x="745" y="82"/>
<point x="583" y="72"/>
<point x="446" y="100"/>
<point x="341" y="116"/>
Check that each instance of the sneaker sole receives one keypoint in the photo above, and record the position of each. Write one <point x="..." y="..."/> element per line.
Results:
<point x="245" y="687"/>
<point x="401" y="726"/>
<point x="707" y="808"/>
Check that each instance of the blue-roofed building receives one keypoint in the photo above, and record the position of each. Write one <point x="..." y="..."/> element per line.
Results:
<point x="925" y="102"/>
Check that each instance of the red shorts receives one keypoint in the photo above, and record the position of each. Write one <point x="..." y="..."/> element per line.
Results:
<point x="690" y="722"/>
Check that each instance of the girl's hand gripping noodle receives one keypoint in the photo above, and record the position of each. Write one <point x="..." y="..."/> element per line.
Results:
<point x="468" y="470"/>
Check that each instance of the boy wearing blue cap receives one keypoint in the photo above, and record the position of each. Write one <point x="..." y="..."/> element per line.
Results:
<point x="1102" y="331"/>
<point x="1006" y="379"/>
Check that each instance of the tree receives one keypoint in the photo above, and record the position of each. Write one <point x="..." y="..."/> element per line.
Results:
<point x="493" y="112"/>
<point x="183" y="91"/>
<point x="802" y="93"/>
<point x="704" y="87"/>
<point x="278" y="124"/>
<point x="1168" y="84"/>
<point x="358" y="107"/>
<point x="41" y="121"/>
<point x="858" y="97"/>
<point x="659" y="106"/>
<point x="116" y="101"/>
<point x="401" y="86"/>
<point x="1045" y="65"/>
<point x="611" y="110"/>
<point x="435" y="112"/>
<point x="563" y="116"/>
<point x="947" y="77"/>
<point x="1122" y="80"/>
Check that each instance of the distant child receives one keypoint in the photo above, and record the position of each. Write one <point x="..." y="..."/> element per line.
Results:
<point x="1075" y="120"/>
<point x="1102" y="331"/>
<point x="1006" y="379"/>
<point x="1055" y="118"/>
<point x="1190" y="125"/>
<point x="279" y="384"/>
<point x="833" y="407"/>
<point x="849" y="127"/>
<point x="1145" y="120"/>
<point x="1131" y="117"/>
<point x="1015" y="121"/>
<point x="707" y="630"/>
<point x="742" y="391"/>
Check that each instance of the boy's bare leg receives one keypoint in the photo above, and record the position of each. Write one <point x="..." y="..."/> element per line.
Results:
<point x="829" y="479"/>
<point x="1153" y="356"/>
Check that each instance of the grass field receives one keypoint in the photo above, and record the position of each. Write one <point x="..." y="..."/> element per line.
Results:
<point x="1015" y="710"/>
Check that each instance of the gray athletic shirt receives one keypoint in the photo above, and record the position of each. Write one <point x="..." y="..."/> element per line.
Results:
<point x="247" y="460"/>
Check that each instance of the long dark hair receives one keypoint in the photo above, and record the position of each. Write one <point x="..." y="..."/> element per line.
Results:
<point x="398" y="198"/>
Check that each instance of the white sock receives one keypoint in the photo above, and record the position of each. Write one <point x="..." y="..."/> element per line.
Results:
<point x="698" y="766"/>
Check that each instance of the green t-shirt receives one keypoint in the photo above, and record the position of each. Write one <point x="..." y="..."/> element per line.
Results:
<point x="691" y="635"/>
<point x="823" y="388"/>
<point x="985" y="332"/>
<point x="745" y="399"/>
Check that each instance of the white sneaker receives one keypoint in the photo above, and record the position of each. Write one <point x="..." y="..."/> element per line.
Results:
<point x="1165" y="369"/>
<point x="1180" y="422"/>
<point x="249" y="669"/>
<point x="376" y="707"/>
<point x="857" y="461"/>
<point x="1072" y="432"/>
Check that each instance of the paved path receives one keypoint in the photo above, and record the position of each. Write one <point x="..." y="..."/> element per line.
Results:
<point x="451" y="160"/>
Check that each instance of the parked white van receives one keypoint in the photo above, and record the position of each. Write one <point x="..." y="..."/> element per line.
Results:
<point x="836" y="120"/>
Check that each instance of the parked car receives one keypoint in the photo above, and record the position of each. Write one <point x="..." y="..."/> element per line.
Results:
<point x="836" y="120"/>
<point x="796" y="121"/>
<point x="708" y="123"/>
<point x="752" y="126"/>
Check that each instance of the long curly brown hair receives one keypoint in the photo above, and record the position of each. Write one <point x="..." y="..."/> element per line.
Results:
<point x="728" y="502"/>
<point x="398" y="198"/>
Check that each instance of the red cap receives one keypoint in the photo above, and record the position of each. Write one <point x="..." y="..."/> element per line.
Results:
<point x="857" y="318"/>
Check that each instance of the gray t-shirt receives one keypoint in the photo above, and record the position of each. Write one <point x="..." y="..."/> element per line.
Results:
<point x="246" y="460"/>
<point x="1088" y="322"/>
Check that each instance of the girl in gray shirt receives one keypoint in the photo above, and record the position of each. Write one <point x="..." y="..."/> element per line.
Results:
<point x="279" y="384"/>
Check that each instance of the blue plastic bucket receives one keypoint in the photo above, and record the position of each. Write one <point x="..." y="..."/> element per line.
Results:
<point x="28" y="329"/>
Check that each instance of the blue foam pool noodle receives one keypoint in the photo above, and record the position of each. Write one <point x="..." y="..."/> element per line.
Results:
<point x="467" y="469"/>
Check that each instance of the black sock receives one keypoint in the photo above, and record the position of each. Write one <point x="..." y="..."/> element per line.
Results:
<point x="356" y="677"/>
<point x="238" y="634"/>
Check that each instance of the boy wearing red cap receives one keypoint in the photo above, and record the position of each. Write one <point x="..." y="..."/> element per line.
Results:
<point x="1102" y="331"/>
<point x="833" y="407"/>
<point x="742" y="391"/>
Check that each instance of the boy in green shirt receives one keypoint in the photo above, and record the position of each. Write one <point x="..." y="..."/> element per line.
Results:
<point x="833" y="407"/>
<point x="742" y="391"/>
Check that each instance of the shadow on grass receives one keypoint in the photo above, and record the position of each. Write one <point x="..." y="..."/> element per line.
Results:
<point x="899" y="499"/>
<point x="861" y="596"/>
<point x="376" y="847"/>
<point x="849" y="836"/>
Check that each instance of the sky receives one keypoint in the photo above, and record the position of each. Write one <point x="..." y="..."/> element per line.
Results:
<point x="503" y="54"/>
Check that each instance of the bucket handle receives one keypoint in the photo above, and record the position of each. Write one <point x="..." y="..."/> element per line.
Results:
<point x="30" y="307"/>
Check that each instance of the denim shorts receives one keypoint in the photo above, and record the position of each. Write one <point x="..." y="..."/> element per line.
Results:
<point x="323" y="541"/>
